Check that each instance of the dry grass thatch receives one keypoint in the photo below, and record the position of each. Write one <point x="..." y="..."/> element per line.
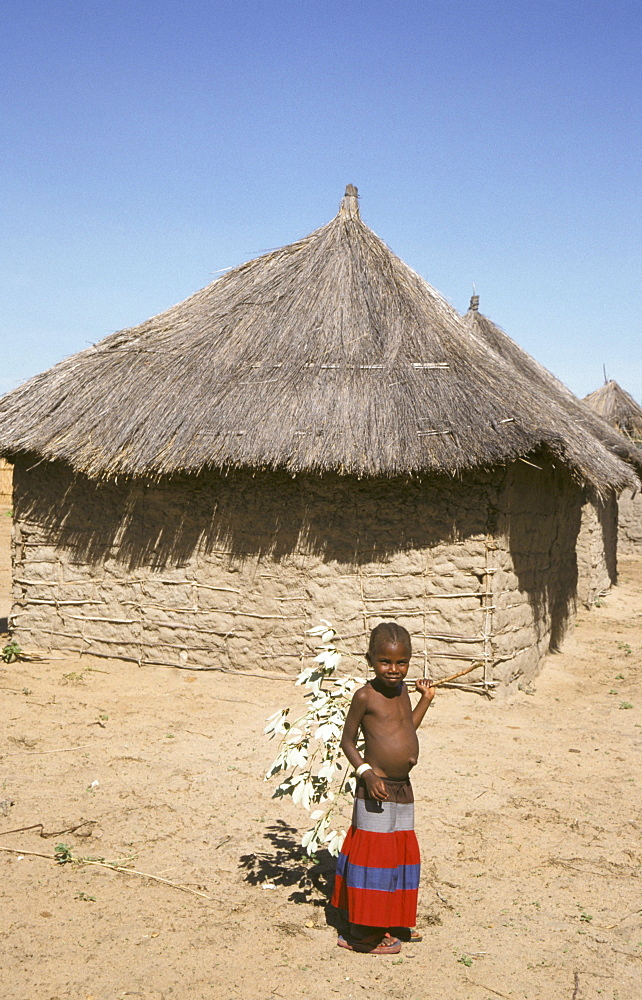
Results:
<point x="328" y="354"/>
<point x="551" y="387"/>
<point x="618" y="408"/>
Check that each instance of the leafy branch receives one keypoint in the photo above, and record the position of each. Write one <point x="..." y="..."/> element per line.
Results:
<point x="310" y="760"/>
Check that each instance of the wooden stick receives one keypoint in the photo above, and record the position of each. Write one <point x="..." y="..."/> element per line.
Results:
<point x="42" y="600"/>
<point x="484" y="689"/>
<point x="114" y="868"/>
<point x="156" y="878"/>
<point x="489" y="988"/>
<point x="54" y="833"/>
<point x="110" y="621"/>
<point x="633" y="913"/>
<point x="583" y="871"/>
<point x="28" y="753"/>
<point x="447" y="680"/>
<point x="464" y="593"/>
<point x="32" y="854"/>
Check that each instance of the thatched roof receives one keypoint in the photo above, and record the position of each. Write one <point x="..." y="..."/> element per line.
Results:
<point x="328" y="354"/>
<point x="550" y="387"/>
<point x="618" y="408"/>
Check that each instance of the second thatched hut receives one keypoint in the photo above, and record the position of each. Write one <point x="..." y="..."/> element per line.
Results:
<point x="620" y="410"/>
<point x="315" y="434"/>
<point x="597" y="541"/>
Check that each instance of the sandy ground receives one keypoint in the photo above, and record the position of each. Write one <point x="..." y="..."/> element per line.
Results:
<point x="529" y="818"/>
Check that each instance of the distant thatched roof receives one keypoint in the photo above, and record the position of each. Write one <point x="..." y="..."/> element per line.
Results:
<point x="550" y="387"/>
<point x="328" y="354"/>
<point x="618" y="408"/>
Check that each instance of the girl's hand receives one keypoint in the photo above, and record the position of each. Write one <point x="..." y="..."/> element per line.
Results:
<point x="425" y="689"/>
<point x="376" y="786"/>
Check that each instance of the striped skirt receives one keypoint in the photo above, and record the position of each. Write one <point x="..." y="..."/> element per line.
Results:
<point x="377" y="877"/>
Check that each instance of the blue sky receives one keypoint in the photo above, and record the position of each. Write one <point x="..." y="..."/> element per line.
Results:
<point x="145" y="146"/>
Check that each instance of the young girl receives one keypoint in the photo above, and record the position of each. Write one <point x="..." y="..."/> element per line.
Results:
<point x="378" y="869"/>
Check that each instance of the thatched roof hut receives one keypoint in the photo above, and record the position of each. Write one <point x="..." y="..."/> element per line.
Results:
<point x="618" y="408"/>
<point x="597" y="539"/>
<point x="551" y="388"/>
<point x="316" y="433"/>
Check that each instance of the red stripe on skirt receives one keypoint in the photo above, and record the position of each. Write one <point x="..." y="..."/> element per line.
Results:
<point x="381" y="850"/>
<point x="376" y="909"/>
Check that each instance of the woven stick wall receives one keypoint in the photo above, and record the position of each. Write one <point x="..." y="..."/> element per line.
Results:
<point x="435" y="649"/>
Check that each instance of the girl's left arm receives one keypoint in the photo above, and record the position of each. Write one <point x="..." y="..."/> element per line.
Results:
<point x="427" y="691"/>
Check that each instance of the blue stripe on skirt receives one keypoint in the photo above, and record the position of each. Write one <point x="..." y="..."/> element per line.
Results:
<point x="403" y="877"/>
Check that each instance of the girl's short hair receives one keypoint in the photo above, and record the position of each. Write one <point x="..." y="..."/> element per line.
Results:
<point x="389" y="632"/>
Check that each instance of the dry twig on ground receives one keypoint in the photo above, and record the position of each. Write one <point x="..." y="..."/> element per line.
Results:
<point x="113" y="867"/>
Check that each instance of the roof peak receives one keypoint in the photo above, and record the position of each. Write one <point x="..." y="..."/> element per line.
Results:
<point x="349" y="208"/>
<point x="474" y="303"/>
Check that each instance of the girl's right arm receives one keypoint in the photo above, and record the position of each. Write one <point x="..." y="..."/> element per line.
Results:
<point x="376" y="787"/>
<point x="351" y="728"/>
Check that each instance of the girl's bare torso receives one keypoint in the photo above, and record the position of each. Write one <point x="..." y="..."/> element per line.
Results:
<point x="392" y="747"/>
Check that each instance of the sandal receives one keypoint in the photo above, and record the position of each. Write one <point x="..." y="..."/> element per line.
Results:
<point x="386" y="945"/>
<point x="407" y="935"/>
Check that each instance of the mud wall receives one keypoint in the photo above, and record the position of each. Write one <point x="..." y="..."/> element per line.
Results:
<point x="6" y="484"/>
<point x="630" y="524"/>
<point x="540" y="515"/>
<point x="229" y="571"/>
<point x="597" y="549"/>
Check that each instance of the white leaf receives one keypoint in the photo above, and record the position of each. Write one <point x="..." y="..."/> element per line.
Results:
<point x="320" y="629"/>
<point x="328" y="731"/>
<point x="302" y="791"/>
<point x="334" y="842"/>
<point x="275" y="724"/>
<point x="327" y="769"/>
<point x="290" y="758"/>
<point x="321" y="785"/>
<point x="323" y="826"/>
<point x="350" y="786"/>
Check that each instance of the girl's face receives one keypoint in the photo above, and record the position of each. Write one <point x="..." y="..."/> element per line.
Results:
<point x="390" y="662"/>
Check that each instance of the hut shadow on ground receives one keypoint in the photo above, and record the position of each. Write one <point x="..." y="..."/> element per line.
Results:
<point x="286" y="864"/>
